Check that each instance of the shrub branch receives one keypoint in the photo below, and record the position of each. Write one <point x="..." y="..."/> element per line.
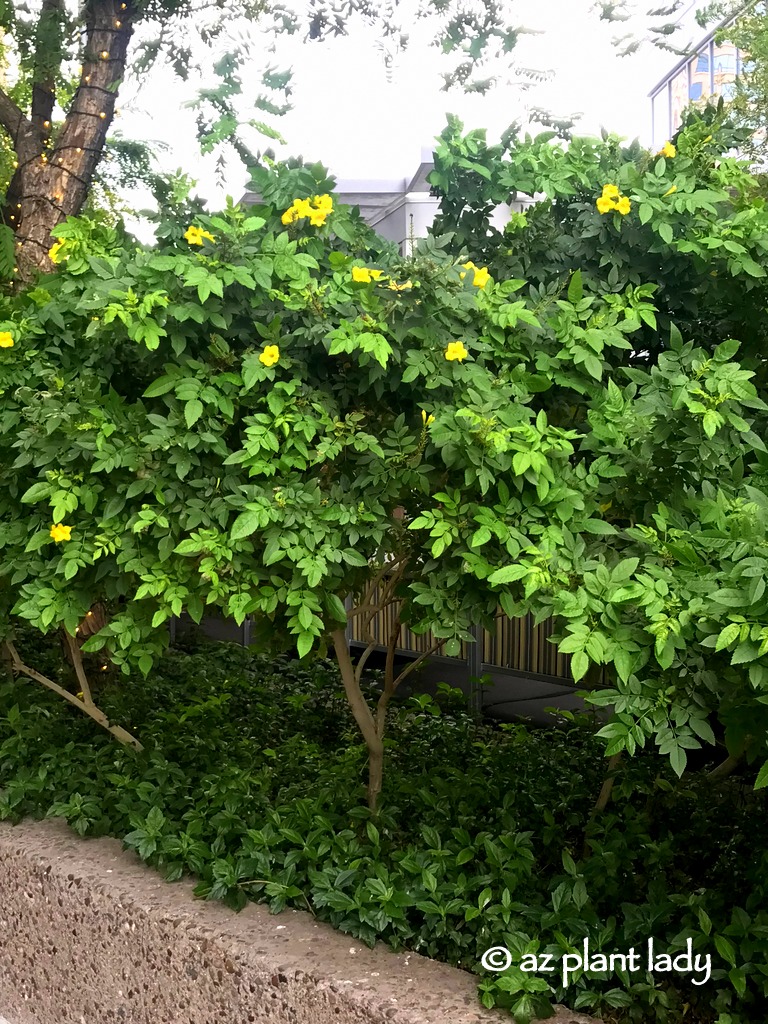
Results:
<point x="86" y="705"/>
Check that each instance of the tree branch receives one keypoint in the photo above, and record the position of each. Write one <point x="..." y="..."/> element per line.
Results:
<point x="415" y="664"/>
<point x="372" y="645"/>
<point x="43" y="80"/>
<point x="357" y="701"/>
<point x="603" y="797"/>
<point x="13" y="119"/>
<point x="77" y="663"/>
<point x="91" y="710"/>
<point x="386" y="568"/>
<point x="389" y="681"/>
<point x="725" y="768"/>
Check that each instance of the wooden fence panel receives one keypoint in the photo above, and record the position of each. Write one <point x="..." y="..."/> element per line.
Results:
<point x="517" y="644"/>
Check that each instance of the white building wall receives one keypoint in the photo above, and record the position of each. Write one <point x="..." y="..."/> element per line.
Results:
<point x="420" y="210"/>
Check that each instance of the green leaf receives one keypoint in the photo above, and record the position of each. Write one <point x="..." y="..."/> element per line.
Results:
<point x="36" y="493"/>
<point x="678" y="759"/>
<point x="594" y="366"/>
<point x="600" y="528"/>
<point x="579" y="665"/>
<point x="726" y="949"/>
<point x="160" y="387"/>
<point x="253" y="371"/>
<point x="509" y="574"/>
<point x="727" y="636"/>
<point x="762" y="777"/>
<point x="738" y="979"/>
<point x="304" y="644"/>
<point x="712" y="421"/>
<point x="623" y="660"/>
<point x="632" y="592"/>
<point x="575" y="288"/>
<point x="703" y="729"/>
<point x="193" y="410"/>
<point x="480" y="537"/>
<point x="188" y="547"/>
<point x="245" y="524"/>
<point x="336" y="607"/>
<point x="568" y="863"/>
<point x="705" y="922"/>
<point x="726" y="350"/>
<point x="352" y="557"/>
<point x="752" y="268"/>
<point x="745" y="652"/>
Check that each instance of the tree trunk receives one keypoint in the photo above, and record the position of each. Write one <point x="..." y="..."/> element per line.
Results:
<point x="375" y="775"/>
<point x="363" y="717"/>
<point x="602" y="800"/>
<point x="50" y="184"/>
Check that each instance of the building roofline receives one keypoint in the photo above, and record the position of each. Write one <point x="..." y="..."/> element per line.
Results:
<point x="426" y="165"/>
<point x="384" y="185"/>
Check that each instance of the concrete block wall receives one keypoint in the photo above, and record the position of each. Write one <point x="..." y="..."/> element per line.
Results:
<point x="90" y="935"/>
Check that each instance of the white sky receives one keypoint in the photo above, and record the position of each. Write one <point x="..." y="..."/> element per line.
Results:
<point x="362" y="126"/>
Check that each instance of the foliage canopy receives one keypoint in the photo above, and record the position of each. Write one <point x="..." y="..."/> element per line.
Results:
<point x="274" y="415"/>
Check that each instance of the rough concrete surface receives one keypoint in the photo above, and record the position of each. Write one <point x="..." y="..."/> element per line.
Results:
<point x="90" y="935"/>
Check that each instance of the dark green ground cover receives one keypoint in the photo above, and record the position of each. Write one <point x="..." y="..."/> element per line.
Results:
<point x="253" y="778"/>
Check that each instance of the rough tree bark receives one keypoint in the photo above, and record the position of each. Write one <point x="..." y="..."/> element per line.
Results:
<point x="51" y="182"/>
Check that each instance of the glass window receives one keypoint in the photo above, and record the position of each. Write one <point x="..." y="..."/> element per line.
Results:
<point x="679" y="100"/>
<point x="700" y="86"/>
<point x="723" y="65"/>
